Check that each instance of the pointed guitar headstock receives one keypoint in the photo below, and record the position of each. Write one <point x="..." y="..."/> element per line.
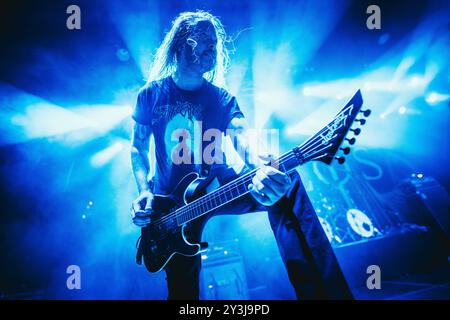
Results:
<point x="326" y="143"/>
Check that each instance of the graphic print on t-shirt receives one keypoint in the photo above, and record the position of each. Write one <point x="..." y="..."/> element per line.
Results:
<point x="183" y="129"/>
<point x="186" y="109"/>
<point x="200" y="116"/>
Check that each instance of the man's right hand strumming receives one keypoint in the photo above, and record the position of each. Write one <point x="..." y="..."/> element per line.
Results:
<point x="142" y="209"/>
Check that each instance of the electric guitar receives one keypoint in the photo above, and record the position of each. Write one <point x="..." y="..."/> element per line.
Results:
<point x="173" y="214"/>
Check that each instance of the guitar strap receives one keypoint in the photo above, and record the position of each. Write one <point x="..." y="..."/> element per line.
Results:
<point x="139" y="251"/>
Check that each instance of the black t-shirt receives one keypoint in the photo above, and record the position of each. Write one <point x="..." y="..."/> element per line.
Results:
<point x="186" y="126"/>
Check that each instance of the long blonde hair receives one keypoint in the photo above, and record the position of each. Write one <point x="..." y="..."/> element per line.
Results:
<point x="165" y="61"/>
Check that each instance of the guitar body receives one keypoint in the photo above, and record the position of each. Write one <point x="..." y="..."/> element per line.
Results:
<point x="161" y="241"/>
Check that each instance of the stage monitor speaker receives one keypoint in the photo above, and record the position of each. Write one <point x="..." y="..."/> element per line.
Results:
<point x="223" y="274"/>
<point x="436" y="200"/>
<point x="422" y="201"/>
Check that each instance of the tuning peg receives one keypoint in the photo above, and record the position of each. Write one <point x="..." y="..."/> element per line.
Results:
<point x="340" y="160"/>
<point x="366" y="113"/>
<point x="351" y="141"/>
<point x="361" y="121"/>
<point x="345" y="150"/>
<point x="356" y="131"/>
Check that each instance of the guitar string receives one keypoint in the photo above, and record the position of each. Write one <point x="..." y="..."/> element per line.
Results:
<point x="306" y="145"/>
<point x="181" y="213"/>
<point x="242" y="181"/>
<point x="229" y="187"/>
<point x="217" y="193"/>
<point x="235" y="184"/>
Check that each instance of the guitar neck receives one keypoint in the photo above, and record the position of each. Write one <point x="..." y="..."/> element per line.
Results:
<point x="322" y="146"/>
<point x="232" y="190"/>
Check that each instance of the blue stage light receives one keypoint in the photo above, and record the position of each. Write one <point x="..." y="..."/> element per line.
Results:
<point x="77" y="147"/>
<point x="435" y="97"/>
<point x="104" y="156"/>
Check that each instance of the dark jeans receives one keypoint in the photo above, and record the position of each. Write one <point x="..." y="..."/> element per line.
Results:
<point x="305" y="250"/>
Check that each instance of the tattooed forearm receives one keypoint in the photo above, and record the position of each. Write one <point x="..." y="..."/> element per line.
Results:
<point x="140" y="171"/>
<point x="141" y="136"/>
<point x="139" y="155"/>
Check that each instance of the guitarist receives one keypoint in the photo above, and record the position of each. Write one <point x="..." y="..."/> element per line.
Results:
<point x="181" y="94"/>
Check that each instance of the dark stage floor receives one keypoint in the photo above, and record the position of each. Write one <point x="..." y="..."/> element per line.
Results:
<point x="430" y="286"/>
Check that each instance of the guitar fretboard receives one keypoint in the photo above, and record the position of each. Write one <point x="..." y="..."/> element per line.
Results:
<point x="230" y="191"/>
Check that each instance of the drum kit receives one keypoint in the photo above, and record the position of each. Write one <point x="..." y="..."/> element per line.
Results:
<point x="343" y="226"/>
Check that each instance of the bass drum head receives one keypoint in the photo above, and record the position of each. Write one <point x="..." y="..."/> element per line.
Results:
<point x="360" y="223"/>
